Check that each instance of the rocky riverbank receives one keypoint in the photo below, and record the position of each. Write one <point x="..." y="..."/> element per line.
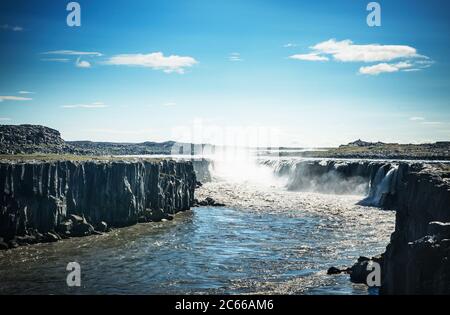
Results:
<point x="417" y="259"/>
<point x="46" y="201"/>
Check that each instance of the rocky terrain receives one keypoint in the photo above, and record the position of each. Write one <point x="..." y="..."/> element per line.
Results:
<point x="31" y="139"/>
<point x="27" y="139"/>
<point x="379" y="150"/>
<point x="45" y="201"/>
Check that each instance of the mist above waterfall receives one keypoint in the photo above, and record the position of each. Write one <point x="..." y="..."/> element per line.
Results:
<point x="240" y="165"/>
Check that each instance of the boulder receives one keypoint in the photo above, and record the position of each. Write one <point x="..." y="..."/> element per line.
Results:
<point x="439" y="229"/>
<point x="82" y="229"/>
<point x="50" y="237"/>
<point x="76" y="219"/>
<point x="102" y="226"/>
<point x="3" y="245"/>
<point x="65" y="227"/>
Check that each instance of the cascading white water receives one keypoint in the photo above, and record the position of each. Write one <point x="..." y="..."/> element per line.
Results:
<point x="382" y="184"/>
<point x="238" y="165"/>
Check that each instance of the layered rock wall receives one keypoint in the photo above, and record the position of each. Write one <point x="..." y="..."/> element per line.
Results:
<point x="39" y="196"/>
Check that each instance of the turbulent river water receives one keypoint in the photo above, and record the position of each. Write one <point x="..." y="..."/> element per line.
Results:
<point x="267" y="240"/>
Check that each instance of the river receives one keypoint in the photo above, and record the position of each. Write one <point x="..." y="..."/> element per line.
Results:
<point x="267" y="240"/>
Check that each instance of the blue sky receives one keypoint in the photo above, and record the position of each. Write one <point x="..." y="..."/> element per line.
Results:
<point x="312" y="72"/>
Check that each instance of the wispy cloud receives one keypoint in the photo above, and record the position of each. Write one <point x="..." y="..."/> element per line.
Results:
<point x="14" y="98"/>
<point x="56" y="59"/>
<point x="156" y="61"/>
<point x="82" y="63"/>
<point x="235" y="57"/>
<point x="26" y="92"/>
<point x="5" y="119"/>
<point x="388" y="58"/>
<point x="309" y="57"/>
<point x="88" y="106"/>
<point x="11" y="28"/>
<point x="416" y="118"/>
<point x="432" y="123"/>
<point x="170" y="104"/>
<point x="289" y="45"/>
<point x="73" y="53"/>
<point x="386" y="68"/>
<point x="423" y="121"/>
<point x="78" y="62"/>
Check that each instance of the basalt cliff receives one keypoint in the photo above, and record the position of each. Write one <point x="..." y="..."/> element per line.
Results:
<point x="44" y="201"/>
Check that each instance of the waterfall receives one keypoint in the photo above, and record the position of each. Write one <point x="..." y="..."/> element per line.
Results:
<point x="325" y="176"/>
<point x="381" y="186"/>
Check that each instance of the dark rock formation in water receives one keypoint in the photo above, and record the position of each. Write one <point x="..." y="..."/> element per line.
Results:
<point x="44" y="200"/>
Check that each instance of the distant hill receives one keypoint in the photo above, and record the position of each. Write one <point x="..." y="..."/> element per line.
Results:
<point x="28" y="139"/>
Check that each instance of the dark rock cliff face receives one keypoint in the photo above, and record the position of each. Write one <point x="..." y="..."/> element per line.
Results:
<point x="417" y="260"/>
<point x="40" y="197"/>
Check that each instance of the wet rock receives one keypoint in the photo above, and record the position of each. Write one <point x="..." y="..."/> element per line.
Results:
<point x="209" y="202"/>
<point x="50" y="237"/>
<point x="335" y="271"/>
<point x="155" y="215"/>
<point x="439" y="229"/>
<point x="26" y="240"/>
<point x="102" y="227"/>
<point x="13" y="244"/>
<point x="76" y="219"/>
<point x="358" y="272"/>
<point x="65" y="227"/>
<point x="82" y="229"/>
<point x="3" y="245"/>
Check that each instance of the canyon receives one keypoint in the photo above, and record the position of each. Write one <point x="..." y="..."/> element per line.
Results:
<point x="50" y="197"/>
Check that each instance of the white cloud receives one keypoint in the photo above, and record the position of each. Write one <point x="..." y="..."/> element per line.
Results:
<point x="14" y="98"/>
<point x="25" y="92"/>
<point x="408" y="60"/>
<point x="417" y="118"/>
<point x="89" y="106"/>
<point x="5" y="119"/>
<point x="170" y="104"/>
<point x="385" y="67"/>
<point x="73" y="53"/>
<point x="289" y="45"/>
<point x="309" y="57"/>
<point x="235" y="57"/>
<point x="82" y="63"/>
<point x="346" y="51"/>
<point x="156" y="61"/>
<point x="377" y="69"/>
<point x="11" y="28"/>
